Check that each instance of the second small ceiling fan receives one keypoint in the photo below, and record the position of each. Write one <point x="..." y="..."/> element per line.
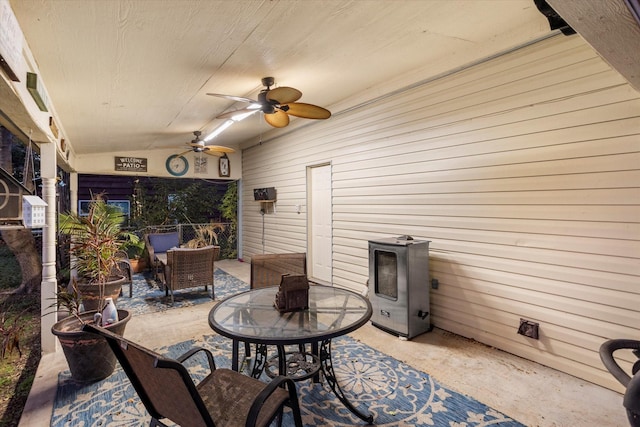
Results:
<point x="197" y="145"/>
<point x="276" y="104"/>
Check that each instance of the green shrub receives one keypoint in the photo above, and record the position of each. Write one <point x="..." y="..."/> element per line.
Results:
<point x="10" y="274"/>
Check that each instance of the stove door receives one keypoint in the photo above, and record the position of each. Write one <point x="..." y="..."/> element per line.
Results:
<point x="388" y="287"/>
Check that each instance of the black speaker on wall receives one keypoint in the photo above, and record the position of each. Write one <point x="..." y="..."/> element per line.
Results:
<point x="268" y="193"/>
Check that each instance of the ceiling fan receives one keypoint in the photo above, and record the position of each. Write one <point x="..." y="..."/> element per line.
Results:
<point x="197" y="146"/>
<point x="276" y="104"/>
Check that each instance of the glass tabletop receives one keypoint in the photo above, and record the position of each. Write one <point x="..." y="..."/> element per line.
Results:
<point x="251" y="316"/>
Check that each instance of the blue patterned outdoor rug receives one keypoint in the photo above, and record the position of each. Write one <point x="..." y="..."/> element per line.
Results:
<point x="149" y="298"/>
<point x="395" y="393"/>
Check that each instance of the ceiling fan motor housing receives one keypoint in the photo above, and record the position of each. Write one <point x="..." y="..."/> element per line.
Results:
<point x="267" y="106"/>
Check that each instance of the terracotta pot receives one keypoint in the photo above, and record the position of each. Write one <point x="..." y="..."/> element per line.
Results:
<point x="88" y="355"/>
<point x="90" y="293"/>
<point x="138" y="265"/>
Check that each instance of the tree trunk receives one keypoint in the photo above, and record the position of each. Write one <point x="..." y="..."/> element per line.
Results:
<point x="23" y="246"/>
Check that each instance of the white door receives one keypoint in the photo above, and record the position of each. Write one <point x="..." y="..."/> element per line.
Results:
<point x="319" y="222"/>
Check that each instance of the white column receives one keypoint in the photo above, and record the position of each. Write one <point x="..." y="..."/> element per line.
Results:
<point x="49" y="281"/>
<point x="73" y="191"/>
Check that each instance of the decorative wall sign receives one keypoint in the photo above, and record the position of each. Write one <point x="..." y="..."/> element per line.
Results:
<point x="200" y="164"/>
<point x="37" y="91"/>
<point x="224" y="166"/>
<point x="130" y="164"/>
<point x="53" y="127"/>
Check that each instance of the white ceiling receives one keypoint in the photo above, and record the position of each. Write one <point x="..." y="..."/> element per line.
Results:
<point x="133" y="74"/>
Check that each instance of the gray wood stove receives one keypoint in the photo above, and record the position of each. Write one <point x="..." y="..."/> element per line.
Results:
<point x="399" y="285"/>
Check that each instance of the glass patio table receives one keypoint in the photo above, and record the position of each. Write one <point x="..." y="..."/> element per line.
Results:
<point x="251" y="317"/>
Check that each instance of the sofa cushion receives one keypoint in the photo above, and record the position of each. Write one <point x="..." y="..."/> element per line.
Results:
<point x="162" y="242"/>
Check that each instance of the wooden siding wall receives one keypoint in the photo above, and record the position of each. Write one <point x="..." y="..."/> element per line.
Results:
<point x="523" y="171"/>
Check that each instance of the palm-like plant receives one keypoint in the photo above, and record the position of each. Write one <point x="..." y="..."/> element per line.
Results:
<point x="205" y="235"/>
<point x="95" y="240"/>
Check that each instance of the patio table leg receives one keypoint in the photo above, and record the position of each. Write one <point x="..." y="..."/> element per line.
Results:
<point x="330" y="375"/>
<point x="234" y="355"/>
<point x="315" y="350"/>
<point x="260" y="361"/>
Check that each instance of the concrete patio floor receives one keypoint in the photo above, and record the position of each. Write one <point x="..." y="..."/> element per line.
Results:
<point x="526" y="391"/>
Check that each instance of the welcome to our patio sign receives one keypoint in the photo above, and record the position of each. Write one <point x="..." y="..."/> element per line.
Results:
<point x="130" y="164"/>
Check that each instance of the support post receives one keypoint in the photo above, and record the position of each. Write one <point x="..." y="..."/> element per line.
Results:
<point x="49" y="283"/>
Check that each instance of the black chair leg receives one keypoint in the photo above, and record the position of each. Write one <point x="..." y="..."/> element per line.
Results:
<point x="294" y="405"/>
<point x="280" y="416"/>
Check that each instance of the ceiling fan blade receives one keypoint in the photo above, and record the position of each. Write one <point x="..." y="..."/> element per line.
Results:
<point x="307" y="111"/>
<point x="279" y="119"/>
<point x="284" y="95"/>
<point x="232" y="98"/>
<point x="213" y="153"/>
<point x="183" y="153"/>
<point x="219" y="149"/>
<point x="236" y="113"/>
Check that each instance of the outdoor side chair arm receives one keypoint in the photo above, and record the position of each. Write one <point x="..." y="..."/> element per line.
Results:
<point x="278" y="382"/>
<point x="193" y="351"/>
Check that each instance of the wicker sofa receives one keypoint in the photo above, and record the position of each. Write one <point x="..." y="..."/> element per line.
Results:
<point x="189" y="268"/>
<point x="267" y="269"/>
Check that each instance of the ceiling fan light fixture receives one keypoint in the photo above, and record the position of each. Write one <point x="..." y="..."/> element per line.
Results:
<point x="241" y="116"/>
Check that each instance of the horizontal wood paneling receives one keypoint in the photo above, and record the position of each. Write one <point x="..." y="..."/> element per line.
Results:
<point x="523" y="172"/>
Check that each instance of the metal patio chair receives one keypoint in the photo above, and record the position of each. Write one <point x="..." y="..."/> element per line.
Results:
<point x="124" y="264"/>
<point x="630" y="378"/>
<point x="224" y="398"/>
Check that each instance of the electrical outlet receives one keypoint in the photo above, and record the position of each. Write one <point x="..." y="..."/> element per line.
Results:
<point x="529" y="329"/>
<point x="435" y="283"/>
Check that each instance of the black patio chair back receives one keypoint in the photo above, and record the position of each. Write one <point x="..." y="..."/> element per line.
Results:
<point x="630" y="379"/>
<point x="223" y="398"/>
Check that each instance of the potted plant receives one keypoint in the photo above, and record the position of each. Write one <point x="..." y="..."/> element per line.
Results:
<point x="135" y="252"/>
<point x="95" y="240"/>
<point x="205" y="235"/>
<point x="88" y="355"/>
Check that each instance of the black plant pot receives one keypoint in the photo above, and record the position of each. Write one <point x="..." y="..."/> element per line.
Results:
<point x="90" y="293"/>
<point x="88" y="355"/>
